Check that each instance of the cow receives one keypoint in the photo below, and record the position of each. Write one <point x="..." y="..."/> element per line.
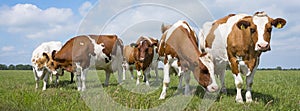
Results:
<point x="239" y="39"/>
<point x="140" y="54"/>
<point x="179" y="44"/>
<point x="79" y="52"/>
<point x="41" y="62"/>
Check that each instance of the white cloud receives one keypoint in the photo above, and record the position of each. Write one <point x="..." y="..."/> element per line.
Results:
<point x="32" y="22"/>
<point x="84" y="8"/>
<point x="7" y="48"/>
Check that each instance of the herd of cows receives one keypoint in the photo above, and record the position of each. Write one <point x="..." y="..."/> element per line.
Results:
<point x="236" y="39"/>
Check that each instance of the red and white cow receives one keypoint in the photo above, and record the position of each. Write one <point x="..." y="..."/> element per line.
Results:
<point x="141" y="55"/>
<point x="239" y="39"/>
<point x="41" y="62"/>
<point x="77" y="54"/>
<point x="179" y="44"/>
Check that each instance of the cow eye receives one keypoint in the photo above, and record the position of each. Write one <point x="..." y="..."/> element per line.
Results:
<point x="252" y="30"/>
<point x="269" y="30"/>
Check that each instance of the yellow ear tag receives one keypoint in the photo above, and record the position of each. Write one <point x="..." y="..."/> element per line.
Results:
<point x="279" y="26"/>
<point x="242" y="27"/>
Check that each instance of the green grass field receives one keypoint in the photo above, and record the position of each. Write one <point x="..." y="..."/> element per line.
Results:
<point x="272" y="90"/>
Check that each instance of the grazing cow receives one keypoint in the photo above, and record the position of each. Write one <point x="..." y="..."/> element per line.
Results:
<point x="239" y="39"/>
<point x="141" y="55"/>
<point x="179" y="44"/>
<point x="77" y="54"/>
<point x="41" y="62"/>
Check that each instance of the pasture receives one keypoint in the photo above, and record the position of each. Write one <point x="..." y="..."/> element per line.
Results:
<point x="272" y="90"/>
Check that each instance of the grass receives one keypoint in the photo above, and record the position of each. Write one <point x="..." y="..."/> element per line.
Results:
<point x="272" y="90"/>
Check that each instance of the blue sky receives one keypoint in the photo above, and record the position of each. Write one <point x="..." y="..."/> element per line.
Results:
<point x="24" y="24"/>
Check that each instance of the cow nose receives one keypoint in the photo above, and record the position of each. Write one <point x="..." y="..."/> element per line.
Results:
<point x="263" y="45"/>
<point x="212" y="88"/>
<point x="142" y="58"/>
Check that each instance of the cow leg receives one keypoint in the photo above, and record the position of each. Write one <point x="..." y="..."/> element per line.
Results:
<point x="220" y="68"/>
<point x="72" y="77"/>
<point x="187" y="82"/>
<point x="36" y="79"/>
<point x="56" y="79"/>
<point x="51" y="80"/>
<point x="78" y="81"/>
<point x="156" y="72"/>
<point x="139" y="73"/>
<point x="45" y="80"/>
<point x="180" y="82"/>
<point x="237" y="79"/>
<point x="124" y="70"/>
<point x="146" y="73"/>
<point x="120" y="71"/>
<point x="166" y="81"/>
<point x="131" y="72"/>
<point x="83" y="78"/>
<point x="249" y="80"/>
<point x="107" y="73"/>
<point x="79" y="74"/>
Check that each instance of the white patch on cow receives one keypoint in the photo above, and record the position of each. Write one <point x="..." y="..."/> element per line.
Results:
<point x="139" y="73"/>
<point x="207" y="61"/>
<point x="238" y="83"/>
<point x="98" y="49"/>
<point x="260" y="22"/>
<point x="81" y="43"/>
<point x="174" y="26"/>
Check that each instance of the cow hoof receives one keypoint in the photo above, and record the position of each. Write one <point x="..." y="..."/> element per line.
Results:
<point x="161" y="98"/>
<point x="147" y="83"/>
<point x="78" y="89"/>
<point x="44" y="89"/>
<point x="224" y="91"/>
<point x="239" y="101"/>
<point x="249" y="100"/>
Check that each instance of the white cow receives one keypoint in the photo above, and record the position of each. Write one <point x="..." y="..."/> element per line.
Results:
<point x="40" y="61"/>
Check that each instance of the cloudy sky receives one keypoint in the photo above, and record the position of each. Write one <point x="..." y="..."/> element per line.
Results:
<point x="26" y="24"/>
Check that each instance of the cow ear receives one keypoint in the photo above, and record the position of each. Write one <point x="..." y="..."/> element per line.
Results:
<point x="243" y="24"/>
<point x="278" y="23"/>
<point x="53" y="54"/>
<point x="46" y="56"/>
<point x="133" y="45"/>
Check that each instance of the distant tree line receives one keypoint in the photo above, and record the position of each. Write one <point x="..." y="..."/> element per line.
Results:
<point x="15" y="67"/>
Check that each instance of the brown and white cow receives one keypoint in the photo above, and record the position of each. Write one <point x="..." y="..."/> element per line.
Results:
<point x="77" y="54"/>
<point x="239" y="39"/>
<point x="179" y="44"/>
<point x="141" y="55"/>
<point x="41" y="62"/>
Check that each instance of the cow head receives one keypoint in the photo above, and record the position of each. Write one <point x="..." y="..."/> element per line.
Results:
<point x="143" y="49"/>
<point x="264" y="28"/>
<point x="52" y="65"/>
<point x="206" y="75"/>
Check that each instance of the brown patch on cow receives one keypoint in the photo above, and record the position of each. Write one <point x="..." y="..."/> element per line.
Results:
<point x="241" y="43"/>
<point x="211" y="36"/>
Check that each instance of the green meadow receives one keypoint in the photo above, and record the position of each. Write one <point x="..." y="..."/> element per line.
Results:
<point x="272" y="90"/>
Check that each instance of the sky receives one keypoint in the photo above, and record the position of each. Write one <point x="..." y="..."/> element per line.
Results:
<point x="25" y="24"/>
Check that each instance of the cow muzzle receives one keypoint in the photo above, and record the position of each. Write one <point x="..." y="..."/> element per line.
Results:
<point x="263" y="47"/>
